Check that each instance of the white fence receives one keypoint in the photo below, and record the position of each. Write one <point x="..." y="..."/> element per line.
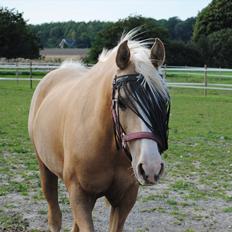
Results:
<point x="200" y="86"/>
<point x="204" y="72"/>
<point x="43" y="67"/>
<point x="25" y="68"/>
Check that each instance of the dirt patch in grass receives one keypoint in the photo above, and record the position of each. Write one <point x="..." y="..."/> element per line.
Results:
<point x="157" y="208"/>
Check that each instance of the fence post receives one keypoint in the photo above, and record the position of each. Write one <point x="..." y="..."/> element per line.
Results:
<point x="17" y="71"/>
<point x="30" y="74"/>
<point x="205" y="80"/>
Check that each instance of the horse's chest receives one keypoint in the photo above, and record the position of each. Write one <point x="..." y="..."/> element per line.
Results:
<point x="100" y="181"/>
<point x="95" y="181"/>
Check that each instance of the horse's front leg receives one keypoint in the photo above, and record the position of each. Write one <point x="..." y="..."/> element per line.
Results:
<point x="82" y="205"/>
<point x="120" y="211"/>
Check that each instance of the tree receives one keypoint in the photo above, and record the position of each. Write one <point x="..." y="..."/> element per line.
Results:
<point x="219" y="46"/>
<point x="212" y="33"/>
<point x="16" y="39"/>
<point x="216" y="16"/>
<point x="184" y="30"/>
<point x="171" y="25"/>
<point x="179" y="53"/>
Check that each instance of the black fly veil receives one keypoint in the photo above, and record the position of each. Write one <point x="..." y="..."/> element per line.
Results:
<point x="153" y="108"/>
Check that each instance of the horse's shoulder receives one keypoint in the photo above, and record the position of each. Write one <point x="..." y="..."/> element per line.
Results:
<point x="56" y="80"/>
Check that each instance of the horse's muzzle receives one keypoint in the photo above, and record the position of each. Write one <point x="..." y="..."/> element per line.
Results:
<point x="150" y="178"/>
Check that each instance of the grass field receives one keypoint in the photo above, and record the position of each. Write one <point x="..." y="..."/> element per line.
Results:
<point x="196" y="187"/>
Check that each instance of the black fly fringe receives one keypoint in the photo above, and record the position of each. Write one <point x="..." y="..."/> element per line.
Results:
<point x="153" y="109"/>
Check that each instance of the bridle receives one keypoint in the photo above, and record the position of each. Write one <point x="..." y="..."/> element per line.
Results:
<point x="121" y="136"/>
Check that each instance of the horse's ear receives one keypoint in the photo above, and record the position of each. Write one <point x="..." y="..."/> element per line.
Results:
<point x="123" y="55"/>
<point x="157" y="53"/>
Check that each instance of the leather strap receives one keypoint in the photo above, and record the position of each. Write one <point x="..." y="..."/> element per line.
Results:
<point x="138" y="135"/>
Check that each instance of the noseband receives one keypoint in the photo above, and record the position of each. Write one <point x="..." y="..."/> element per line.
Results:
<point x="121" y="136"/>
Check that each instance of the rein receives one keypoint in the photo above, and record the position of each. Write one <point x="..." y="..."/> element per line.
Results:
<point x="120" y="135"/>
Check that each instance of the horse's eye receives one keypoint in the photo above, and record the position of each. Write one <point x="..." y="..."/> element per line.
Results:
<point x="121" y="105"/>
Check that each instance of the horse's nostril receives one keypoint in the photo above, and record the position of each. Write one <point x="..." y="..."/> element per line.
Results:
<point x="142" y="172"/>
<point x="156" y="177"/>
<point x="161" y="169"/>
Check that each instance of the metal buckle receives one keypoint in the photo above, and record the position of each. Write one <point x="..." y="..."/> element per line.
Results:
<point x="123" y="140"/>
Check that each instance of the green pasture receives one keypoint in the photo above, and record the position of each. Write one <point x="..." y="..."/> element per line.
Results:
<point x="22" y="73"/>
<point x="199" y="159"/>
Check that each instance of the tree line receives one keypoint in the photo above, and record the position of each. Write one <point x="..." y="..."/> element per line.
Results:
<point x="84" y="33"/>
<point x="175" y="33"/>
<point x="51" y="34"/>
<point x="206" y="39"/>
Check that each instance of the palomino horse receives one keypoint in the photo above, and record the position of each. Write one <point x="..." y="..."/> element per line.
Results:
<point x="102" y="131"/>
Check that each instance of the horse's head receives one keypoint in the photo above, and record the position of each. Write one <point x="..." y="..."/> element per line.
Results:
<point x="140" y="108"/>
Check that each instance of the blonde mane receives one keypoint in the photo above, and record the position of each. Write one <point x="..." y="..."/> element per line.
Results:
<point x="140" y="57"/>
<point x="74" y="65"/>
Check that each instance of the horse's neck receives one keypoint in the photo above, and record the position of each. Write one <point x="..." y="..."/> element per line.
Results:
<point x="101" y="87"/>
<point x="103" y="74"/>
<point x="101" y="78"/>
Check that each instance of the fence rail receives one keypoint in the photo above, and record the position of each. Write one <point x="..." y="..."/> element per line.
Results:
<point x="206" y="73"/>
<point x="201" y="86"/>
<point x="26" y="66"/>
<point x="19" y="79"/>
<point x="199" y="69"/>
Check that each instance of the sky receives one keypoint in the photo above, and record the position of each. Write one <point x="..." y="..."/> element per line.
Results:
<point x="41" y="11"/>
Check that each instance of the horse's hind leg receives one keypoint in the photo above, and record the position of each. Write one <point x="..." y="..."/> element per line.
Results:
<point x="49" y="183"/>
